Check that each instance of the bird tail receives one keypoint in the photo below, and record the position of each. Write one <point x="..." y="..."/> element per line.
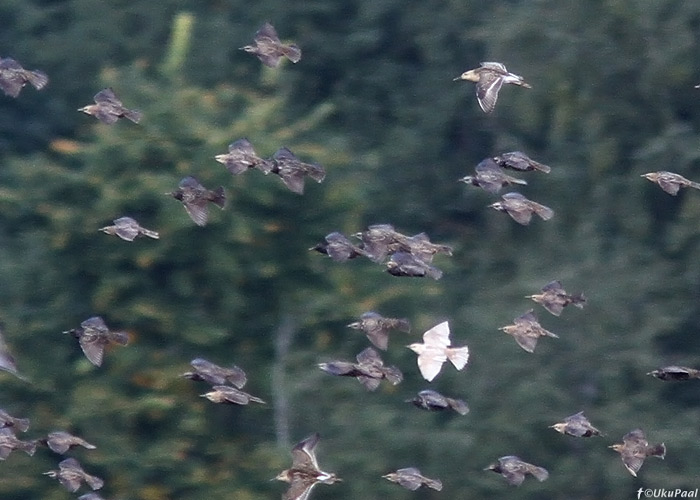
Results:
<point x="459" y="356"/>
<point x="393" y="374"/>
<point x="316" y="172"/>
<point x="658" y="451"/>
<point x="458" y="405"/>
<point x="29" y="447"/>
<point x="540" y="473"/>
<point x="94" y="482"/>
<point x="578" y="300"/>
<point x="435" y="484"/>
<point x="403" y="325"/>
<point x="292" y="52"/>
<point x="695" y="185"/>
<point x="544" y="212"/>
<point x="257" y="400"/>
<point x="515" y="180"/>
<point x="540" y="166"/>
<point x="21" y="424"/>
<point x="150" y="234"/>
<point x="433" y="272"/>
<point x="121" y="338"/>
<point x="133" y="114"/>
<point x="218" y="197"/>
<point x="38" y="79"/>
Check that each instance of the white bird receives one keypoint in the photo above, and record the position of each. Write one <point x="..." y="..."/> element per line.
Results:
<point x="436" y="350"/>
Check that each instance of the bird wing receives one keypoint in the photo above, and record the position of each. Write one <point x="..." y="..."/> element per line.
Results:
<point x="267" y="31"/>
<point x="369" y="357"/>
<point x="198" y="211"/>
<point x="303" y="454"/>
<point x="487" y="89"/>
<point x="430" y="363"/>
<point x="107" y="96"/>
<point x="439" y="335"/>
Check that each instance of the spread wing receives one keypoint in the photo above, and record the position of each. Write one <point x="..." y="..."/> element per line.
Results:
<point x="439" y="335"/>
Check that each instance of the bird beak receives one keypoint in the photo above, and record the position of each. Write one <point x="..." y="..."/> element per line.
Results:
<point x="355" y="325"/>
<point x="458" y="78"/>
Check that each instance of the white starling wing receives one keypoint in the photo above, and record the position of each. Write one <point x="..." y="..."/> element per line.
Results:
<point x="439" y="335"/>
<point x="430" y="363"/>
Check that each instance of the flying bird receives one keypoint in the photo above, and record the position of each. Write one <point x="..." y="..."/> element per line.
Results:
<point x="670" y="182"/>
<point x="71" y="474"/>
<point x="108" y="108"/>
<point x="521" y="209"/>
<point x="339" y="248"/>
<point x="369" y="369"/>
<point x="61" y="442"/>
<point x="241" y="157"/>
<point x="269" y="49"/>
<point x="13" y="77"/>
<point x="7" y="360"/>
<point x="435" y="350"/>
<point x="382" y="240"/>
<point x="675" y="373"/>
<point x="128" y="229"/>
<point x="377" y="327"/>
<point x="489" y="78"/>
<point x="292" y="170"/>
<point x="517" y="160"/>
<point x="514" y="470"/>
<point x="7" y="420"/>
<point x="635" y="448"/>
<point x="407" y="264"/>
<point x="576" y="425"/>
<point x="230" y="395"/>
<point x="526" y="329"/>
<point x="554" y="298"/>
<point x="304" y="473"/>
<point x="434" y="401"/>
<point x="412" y="479"/>
<point x="196" y="197"/>
<point x="93" y="336"/>
<point x="9" y="442"/>
<point x="490" y="177"/>
<point x="213" y="374"/>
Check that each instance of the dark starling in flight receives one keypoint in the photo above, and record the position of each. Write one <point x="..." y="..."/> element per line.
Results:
<point x="13" y="77"/>
<point x="434" y="401"/>
<point x="675" y="373"/>
<point x="436" y="350"/>
<point x="521" y="209"/>
<point x="576" y="425"/>
<point x="7" y="420"/>
<point x="304" y="473"/>
<point x="7" y="360"/>
<point x="195" y="198"/>
<point x="241" y="156"/>
<point x="379" y="241"/>
<point x="369" y="369"/>
<point x="292" y="170"/>
<point x="406" y="264"/>
<point x="269" y="49"/>
<point x="213" y="374"/>
<point x="670" y="182"/>
<point x="490" y="177"/>
<point x="230" y="395"/>
<point x="517" y="160"/>
<point x="554" y="298"/>
<point x="419" y="245"/>
<point x="635" y="448"/>
<point x="339" y="248"/>
<point x="61" y="442"/>
<point x="526" y="330"/>
<point x="489" y="78"/>
<point x="70" y="474"/>
<point x="9" y="442"/>
<point x="377" y="327"/>
<point x="412" y="479"/>
<point x="514" y="470"/>
<point x="128" y="229"/>
<point x="108" y="108"/>
<point x="93" y="336"/>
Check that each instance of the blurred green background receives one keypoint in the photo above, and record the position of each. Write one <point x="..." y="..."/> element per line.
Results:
<point x="374" y="102"/>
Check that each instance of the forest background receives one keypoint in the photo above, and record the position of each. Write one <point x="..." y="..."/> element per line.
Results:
<point x="374" y="102"/>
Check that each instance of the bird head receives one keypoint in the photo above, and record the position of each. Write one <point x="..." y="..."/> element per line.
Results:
<point x="560" y="427"/>
<point x="471" y="76"/>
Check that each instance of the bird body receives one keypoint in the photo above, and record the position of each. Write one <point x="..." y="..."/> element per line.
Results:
<point x="13" y="77"/>
<point x="526" y="329"/>
<point x="635" y="448"/>
<point x="490" y="177"/>
<point x="93" y="336"/>
<point x="71" y="474"/>
<point x="521" y="209"/>
<point x="7" y="420"/>
<point x="10" y="442"/>
<point x="675" y="373"/>
<point x="305" y="473"/>
<point x="128" y="229"/>
<point x="108" y="108"/>
<point x="435" y="350"/>
<point x="195" y="198"/>
<point x="434" y="401"/>
<point x="269" y="49"/>
<point x="554" y="298"/>
<point x="292" y="170"/>
<point x="489" y="78"/>
<point x="670" y="182"/>
<point x="61" y="442"/>
<point x="241" y="156"/>
<point x="214" y="374"/>
<point x="369" y="369"/>
<point x="339" y="248"/>
<point x="377" y="327"/>
<point x="517" y="160"/>
<point x="407" y="264"/>
<point x="412" y="479"/>
<point x="230" y="395"/>
<point x="576" y="425"/>
<point x="514" y="470"/>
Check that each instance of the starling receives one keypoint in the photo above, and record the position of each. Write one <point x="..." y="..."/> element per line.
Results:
<point x="292" y="170"/>
<point x="369" y="369"/>
<point x="380" y="240"/>
<point x="434" y="401"/>
<point x="6" y="420"/>
<point x="7" y="360"/>
<point x="675" y="373"/>
<point x="576" y="425"/>
<point x="419" y="246"/>
<point x="9" y="442"/>
<point x="490" y="177"/>
<point x="670" y="182"/>
<point x="521" y="209"/>
<point x="128" y="229"/>
<point x="406" y="264"/>
<point x="377" y="327"/>
<point x="13" y="77"/>
<point x="304" y="473"/>
<point x="411" y="479"/>
<point x="489" y="78"/>
<point x="635" y="448"/>
<point x="214" y="374"/>
<point x="339" y="248"/>
<point x="554" y="298"/>
<point x="241" y="156"/>
<point x="526" y="330"/>
<point x="230" y="395"/>
<point x="269" y="49"/>
<point x="70" y="474"/>
<point x="61" y="442"/>
<point x="93" y="336"/>
<point x="435" y="351"/>
<point x="514" y="470"/>
<point x="108" y="108"/>
<point x="517" y="160"/>
<point x="195" y="197"/>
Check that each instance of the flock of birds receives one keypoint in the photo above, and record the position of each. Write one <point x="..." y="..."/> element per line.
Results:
<point x="402" y="255"/>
